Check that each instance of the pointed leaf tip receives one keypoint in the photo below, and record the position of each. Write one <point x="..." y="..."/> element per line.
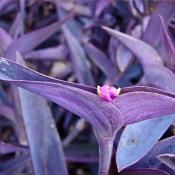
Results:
<point x="148" y="56"/>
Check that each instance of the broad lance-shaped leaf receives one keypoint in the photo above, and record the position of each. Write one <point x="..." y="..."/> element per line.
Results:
<point x="168" y="50"/>
<point x="79" y="60"/>
<point x="156" y="75"/>
<point x="152" y="33"/>
<point x="138" y="47"/>
<point x="143" y="171"/>
<point x="105" y="117"/>
<point x="87" y="105"/>
<point x="44" y="142"/>
<point x="150" y="160"/>
<point x="29" y="41"/>
<point x="78" y="101"/>
<point x="101" y="60"/>
<point x="132" y="139"/>
<point x="45" y="145"/>
<point x="166" y="146"/>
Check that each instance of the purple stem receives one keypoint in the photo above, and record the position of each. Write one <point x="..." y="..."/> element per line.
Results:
<point x="105" y="151"/>
<point x="105" y="154"/>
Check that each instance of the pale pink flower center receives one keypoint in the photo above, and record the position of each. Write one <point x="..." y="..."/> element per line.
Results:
<point x="108" y="93"/>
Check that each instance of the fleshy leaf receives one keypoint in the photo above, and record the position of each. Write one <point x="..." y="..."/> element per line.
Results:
<point x="145" y="53"/>
<point x="45" y="145"/>
<point x="156" y="75"/>
<point x="5" y="3"/>
<point x="17" y="28"/>
<point x="166" y="146"/>
<point x="143" y="171"/>
<point x="101" y="5"/>
<point x="124" y="57"/>
<point x="29" y="41"/>
<point x="79" y="59"/>
<point x="6" y="148"/>
<point x="5" y="40"/>
<point x="152" y="33"/>
<point x="80" y="102"/>
<point x="133" y="141"/>
<point x="105" y="117"/>
<point x="141" y="106"/>
<point x="101" y="60"/>
<point x="168" y="50"/>
<point x="54" y="53"/>
<point x="33" y="81"/>
<point x="8" y="112"/>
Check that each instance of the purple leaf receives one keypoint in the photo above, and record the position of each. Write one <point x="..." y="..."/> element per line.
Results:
<point x="112" y="49"/>
<point x="101" y="5"/>
<point x="167" y="159"/>
<point x="18" y="72"/>
<point x="6" y="148"/>
<point x="160" y="77"/>
<point x="7" y="112"/>
<point x="143" y="171"/>
<point x="152" y="33"/>
<point x="168" y="50"/>
<point x="20" y="75"/>
<point x="15" y="165"/>
<point x="124" y="57"/>
<point x="44" y="142"/>
<point x="79" y="60"/>
<point x="132" y="140"/>
<point x="29" y="41"/>
<point x="5" y="3"/>
<point x="142" y="106"/>
<point x="101" y="60"/>
<point x="17" y="28"/>
<point x="156" y="75"/>
<point x="145" y="53"/>
<point x="55" y="53"/>
<point x="105" y="117"/>
<point x="162" y="147"/>
<point x="5" y="40"/>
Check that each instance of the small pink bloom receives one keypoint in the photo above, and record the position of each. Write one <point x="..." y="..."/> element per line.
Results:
<point x="108" y="93"/>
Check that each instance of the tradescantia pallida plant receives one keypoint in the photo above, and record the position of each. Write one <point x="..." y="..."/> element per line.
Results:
<point x="158" y="72"/>
<point x="131" y="105"/>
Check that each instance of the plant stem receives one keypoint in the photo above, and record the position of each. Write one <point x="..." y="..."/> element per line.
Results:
<point x="105" y="154"/>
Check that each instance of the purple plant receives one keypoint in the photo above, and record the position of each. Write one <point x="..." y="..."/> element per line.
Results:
<point x="111" y="63"/>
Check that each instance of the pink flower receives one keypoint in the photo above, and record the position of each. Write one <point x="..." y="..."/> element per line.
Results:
<point x="108" y="93"/>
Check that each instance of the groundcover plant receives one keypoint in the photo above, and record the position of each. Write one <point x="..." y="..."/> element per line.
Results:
<point x="87" y="87"/>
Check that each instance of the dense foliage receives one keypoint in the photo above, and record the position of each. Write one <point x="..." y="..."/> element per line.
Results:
<point x="87" y="87"/>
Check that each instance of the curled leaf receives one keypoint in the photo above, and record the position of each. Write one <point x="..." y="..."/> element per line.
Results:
<point x="168" y="50"/>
